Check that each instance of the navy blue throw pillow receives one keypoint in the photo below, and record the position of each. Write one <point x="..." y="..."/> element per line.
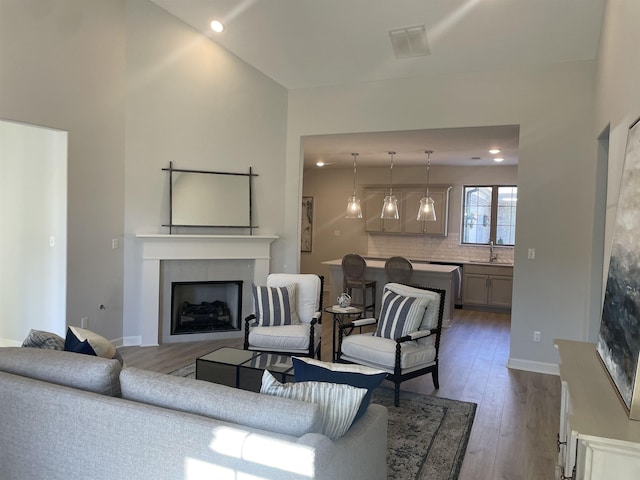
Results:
<point x="310" y="370"/>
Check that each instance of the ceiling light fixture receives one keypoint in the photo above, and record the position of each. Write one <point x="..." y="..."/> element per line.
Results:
<point x="217" y="26"/>
<point x="353" y="204"/>
<point x="390" y="205"/>
<point x="494" y="151"/>
<point x="498" y="159"/>
<point x="320" y="163"/>
<point x="427" y="212"/>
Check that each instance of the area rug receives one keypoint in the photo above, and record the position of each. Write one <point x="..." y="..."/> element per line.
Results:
<point x="427" y="436"/>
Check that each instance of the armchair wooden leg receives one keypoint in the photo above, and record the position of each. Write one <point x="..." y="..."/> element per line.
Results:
<point x="434" y="374"/>
<point x="396" y="395"/>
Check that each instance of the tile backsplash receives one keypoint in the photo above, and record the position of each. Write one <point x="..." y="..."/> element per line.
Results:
<point x="417" y="247"/>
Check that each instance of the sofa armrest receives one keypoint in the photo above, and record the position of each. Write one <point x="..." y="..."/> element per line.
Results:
<point x="360" y="454"/>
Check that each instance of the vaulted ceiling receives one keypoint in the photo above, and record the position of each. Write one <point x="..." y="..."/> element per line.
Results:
<point x="311" y="43"/>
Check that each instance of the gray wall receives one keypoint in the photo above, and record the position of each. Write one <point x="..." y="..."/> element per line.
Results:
<point x="135" y="88"/>
<point x="554" y="106"/>
<point x="62" y="66"/>
<point x="191" y="102"/>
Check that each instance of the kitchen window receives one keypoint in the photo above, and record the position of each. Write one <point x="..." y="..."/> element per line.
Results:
<point x="489" y="214"/>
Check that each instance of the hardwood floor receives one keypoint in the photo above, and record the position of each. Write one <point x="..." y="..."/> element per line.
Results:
<point x="514" y="432"/>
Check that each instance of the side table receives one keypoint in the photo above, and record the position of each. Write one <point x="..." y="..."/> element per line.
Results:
<point x="339" y="316"/>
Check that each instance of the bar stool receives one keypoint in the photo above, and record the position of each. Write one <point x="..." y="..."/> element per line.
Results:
<point x="398" y="270"/>
<point x="353" y="268"/>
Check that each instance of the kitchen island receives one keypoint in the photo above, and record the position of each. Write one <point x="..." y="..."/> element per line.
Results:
<point x="424" y="274"/>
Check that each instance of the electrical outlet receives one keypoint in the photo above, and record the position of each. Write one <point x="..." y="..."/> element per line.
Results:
<point x="536" y="336"/>
<point x="114" y="243"/>
<point x="84" y="322"/>
<point x="531" y="254"/>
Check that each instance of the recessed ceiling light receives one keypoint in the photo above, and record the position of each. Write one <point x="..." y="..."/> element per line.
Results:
<point x="217" y="26"/>
<point x="320" y="164"/>
<point x="493" y="151"/>
<point x="498" y="159"/>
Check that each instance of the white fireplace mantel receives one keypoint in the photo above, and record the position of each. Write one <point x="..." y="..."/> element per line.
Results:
<point x="159" y="247"/>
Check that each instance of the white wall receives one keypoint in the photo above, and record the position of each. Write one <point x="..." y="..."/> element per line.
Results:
<point x="33" y="202"/>
<point x="191" y="102"/>
<point x="554" y="107"/>
<point x="617" y="95"/>
<point x="62" y="66"/>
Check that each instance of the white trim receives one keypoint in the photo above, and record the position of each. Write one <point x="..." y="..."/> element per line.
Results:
<point x="531" y="366"/>
<point x="131" y="341"/>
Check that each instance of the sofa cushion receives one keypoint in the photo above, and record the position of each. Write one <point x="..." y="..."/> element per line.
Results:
<point x="400" y="314"/>
<point x="378" y="352"/>
<point x="42" y="339"/>
<point x="287" y="338"/>
<point x="94" y="374"/>
<point x="309" y="370"/>
<point x="338" y="403"/>
<point x="275" y="306"/>
<point x="220" y="402"/>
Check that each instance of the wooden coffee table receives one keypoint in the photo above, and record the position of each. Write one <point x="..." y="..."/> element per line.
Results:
<point x="243" y="369"/>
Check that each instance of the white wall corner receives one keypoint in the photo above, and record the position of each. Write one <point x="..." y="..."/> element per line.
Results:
<point x="532" y="366"/>
<point x="6" y="342"/>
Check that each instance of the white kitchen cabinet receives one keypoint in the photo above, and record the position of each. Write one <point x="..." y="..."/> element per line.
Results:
<point x="487" y="285"/>
<point x="596" y="439"/>
<point x="408" y="203"/>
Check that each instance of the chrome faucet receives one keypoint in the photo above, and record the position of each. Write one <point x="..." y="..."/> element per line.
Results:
<point x="493" y="256"/>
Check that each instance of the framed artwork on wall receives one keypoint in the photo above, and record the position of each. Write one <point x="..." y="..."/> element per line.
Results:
<point x="306" y="226"/>
<point x="619" y="337"/>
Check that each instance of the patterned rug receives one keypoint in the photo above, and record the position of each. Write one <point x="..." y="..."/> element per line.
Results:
<point x="427" y="436"/>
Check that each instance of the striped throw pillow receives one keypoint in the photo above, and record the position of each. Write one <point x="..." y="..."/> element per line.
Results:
<point x="338" y="403"/>
<point x="275" y="305"/>
<point x="400" y="315"/>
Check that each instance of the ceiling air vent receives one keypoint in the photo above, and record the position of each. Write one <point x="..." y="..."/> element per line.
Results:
<point x="409" y="42"/>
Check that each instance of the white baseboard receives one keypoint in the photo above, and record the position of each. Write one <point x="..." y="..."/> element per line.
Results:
<point x="130" y="341"/>
<point x="531" y="366"/>
<point x="5" y="342"/>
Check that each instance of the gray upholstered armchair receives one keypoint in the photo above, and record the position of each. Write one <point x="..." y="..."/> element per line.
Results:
<point x="287" y="315"/>
<point x="407" y="337"/>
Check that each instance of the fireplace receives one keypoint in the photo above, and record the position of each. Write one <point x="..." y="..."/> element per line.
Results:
<point x="181" y="258"/>
<point x="209" y="306"/>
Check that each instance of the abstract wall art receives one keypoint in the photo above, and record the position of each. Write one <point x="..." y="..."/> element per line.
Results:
<point x="619" y="337"/>
<point x="306" y="224"/>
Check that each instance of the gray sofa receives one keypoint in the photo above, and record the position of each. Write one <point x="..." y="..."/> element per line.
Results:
<point x="70" y="416"/>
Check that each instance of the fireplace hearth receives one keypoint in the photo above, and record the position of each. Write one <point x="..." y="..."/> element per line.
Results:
<point x="209" y="306"/>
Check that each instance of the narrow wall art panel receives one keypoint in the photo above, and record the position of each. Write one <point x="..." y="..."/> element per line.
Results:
<point x="306" y="227"/>
<point x="619" y="337"/>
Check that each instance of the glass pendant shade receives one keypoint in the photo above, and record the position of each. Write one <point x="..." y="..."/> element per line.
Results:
<point x="390" y="208"/>
<point x="390" y="205"/>
<point x="353" y="203"/>
<point x="427" y="212"/>
<point x="353" y="207"/>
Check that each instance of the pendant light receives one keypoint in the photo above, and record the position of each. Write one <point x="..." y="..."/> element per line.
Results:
<point x="427" y="211"/>
<point x="353" y="205"/>
<point x="390" y="206"/>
